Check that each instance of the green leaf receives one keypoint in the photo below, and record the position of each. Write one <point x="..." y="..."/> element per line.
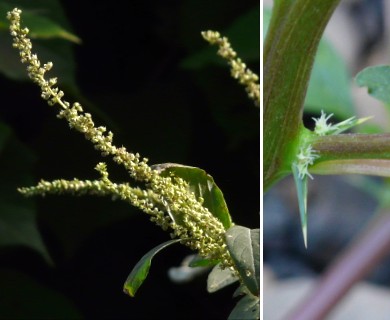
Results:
<point x="202" y="185"/>
<point x="39" y="25"/>
<point x="219" y="278"/>
<point x="244" y="247"/>
<point x="247" y="47"/>
<point x="247" y="308"/>
<point x="18" y="226"/>
<point x="42" y="27"/>
<point x="255" y="241"/>
<point x="377" y="81"/>
<point x="301" y="185"/>
<point x="49" y="8"/>
<point x="49" y="43"/>
<point x="202" y="262"/>
<point x="141" y="269"/>
<point x="240" y="291"/>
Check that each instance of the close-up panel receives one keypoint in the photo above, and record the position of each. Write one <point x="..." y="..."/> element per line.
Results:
<point x="326" y="160"/>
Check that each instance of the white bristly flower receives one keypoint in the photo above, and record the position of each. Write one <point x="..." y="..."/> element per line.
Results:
<point x="305" y="158"/>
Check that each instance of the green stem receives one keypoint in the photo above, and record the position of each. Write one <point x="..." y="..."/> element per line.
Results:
<point x="280" y="11"/>
<point x="295" y="31"/>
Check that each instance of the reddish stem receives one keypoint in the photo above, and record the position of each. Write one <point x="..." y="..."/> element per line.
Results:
<point x="352" y="146"/>
<point x="353" y="264"/>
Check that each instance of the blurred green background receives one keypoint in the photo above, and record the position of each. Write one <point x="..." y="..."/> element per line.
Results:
<point x="143" y="70"/>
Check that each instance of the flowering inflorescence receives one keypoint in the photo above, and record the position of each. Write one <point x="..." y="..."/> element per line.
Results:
<point x="239" y="69"/>
<point x="167" y="200"/>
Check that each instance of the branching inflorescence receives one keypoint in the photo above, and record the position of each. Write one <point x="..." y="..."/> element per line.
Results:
<point x="199" y="229"/>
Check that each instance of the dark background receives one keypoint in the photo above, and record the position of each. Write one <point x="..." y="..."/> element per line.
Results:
<point x="129" y="75"/>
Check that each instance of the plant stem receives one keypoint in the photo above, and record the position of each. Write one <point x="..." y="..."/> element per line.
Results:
<point x="279" y="13"/>
<point x="295" y="31"/>
<point x="356" y="261"/>
<point x="352" y="146"/>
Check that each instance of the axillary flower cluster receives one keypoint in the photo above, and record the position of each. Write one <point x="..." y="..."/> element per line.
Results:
<point x="163" y="198"/>
<point x="307" y="155"/>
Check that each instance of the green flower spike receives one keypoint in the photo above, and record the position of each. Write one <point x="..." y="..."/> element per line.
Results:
<point x="167" y="200"/>
<point x="238" y="69"/>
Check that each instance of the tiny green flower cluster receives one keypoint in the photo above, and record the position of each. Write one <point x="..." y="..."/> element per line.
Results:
<point x="305" y="158"/>
<point x="323" y="128"/>
<point x="307" y="155"/>
<point x="167" y="200"/>
<point x="239" y="69"/>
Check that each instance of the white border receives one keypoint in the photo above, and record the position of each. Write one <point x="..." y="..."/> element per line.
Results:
<point x="261" y="160"/>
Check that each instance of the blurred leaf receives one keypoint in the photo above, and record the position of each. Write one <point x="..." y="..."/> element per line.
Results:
<point x="378" y="189"/>
<point x="219" y="278"/>
<point x="50" y="8"/>
<point x="10" y="64"/>
<point x="18" y="226"/>
<point x="301" y="185"/>
<point x="201" y="262"/>
<point x="22" y="297"/>
<point x="228" y="103"/>
<point x="244" y="247"/>
<point x="247" y="46"/>
<point x="45" y="17"/>
<point x="377" y="81"/>
<point x="39" y="25"/>
<point x="202" y="185"/>
<point x="329" y="86"/>
<point x="266" y="20"/>
<point x="369" y="128"/>
<point x="44" y="28"/>
<point x="247" y="308"/>
<point x="141" y="269"/>
<point x="49" y="28"/>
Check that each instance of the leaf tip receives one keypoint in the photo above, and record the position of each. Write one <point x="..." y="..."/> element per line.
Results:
<point x="129" y="291"/>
